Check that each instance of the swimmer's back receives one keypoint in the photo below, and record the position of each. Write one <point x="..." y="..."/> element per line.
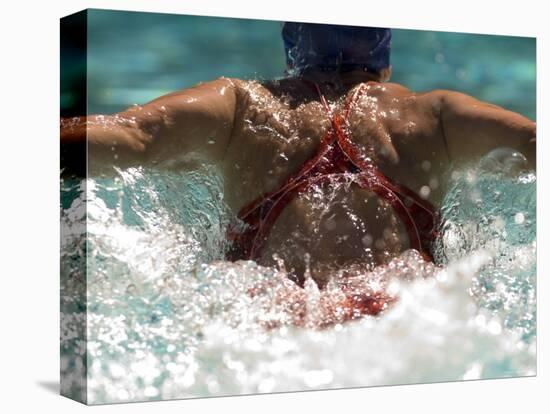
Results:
<point x="279" y="125"/>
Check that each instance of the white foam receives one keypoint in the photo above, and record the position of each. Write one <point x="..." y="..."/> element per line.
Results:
<point x="162" y="323"/>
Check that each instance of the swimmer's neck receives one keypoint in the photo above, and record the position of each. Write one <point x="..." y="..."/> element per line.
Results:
<point x="346" y="80"/>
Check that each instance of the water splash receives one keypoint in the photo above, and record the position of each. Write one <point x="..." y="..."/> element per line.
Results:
<point x="169" y="318"/>
<point x="493" y="207"/>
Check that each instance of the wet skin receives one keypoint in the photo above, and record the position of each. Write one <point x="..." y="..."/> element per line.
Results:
<point x="260" y="134"/>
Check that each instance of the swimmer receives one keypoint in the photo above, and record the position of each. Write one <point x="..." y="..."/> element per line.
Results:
<point x="331" y="162"/>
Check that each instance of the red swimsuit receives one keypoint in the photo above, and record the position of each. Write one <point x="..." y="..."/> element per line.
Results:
<point x="337" y="157"/>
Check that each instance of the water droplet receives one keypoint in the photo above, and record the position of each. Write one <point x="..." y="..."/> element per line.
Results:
<point x="283" y="157"/>
<point x="519" y="218"/>
<point x="367" y="240"/>
<point x="131" y="289"/>
<point x="504" y="160"/>
<point x="425" y="192"/>
<point x="426" y="165"/>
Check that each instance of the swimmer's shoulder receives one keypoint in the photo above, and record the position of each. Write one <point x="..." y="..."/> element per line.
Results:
<point x="238" y="88"/>
<point x="397" y="96"/>
<point x="389" y="90"/>
<point x="246" y="90"/>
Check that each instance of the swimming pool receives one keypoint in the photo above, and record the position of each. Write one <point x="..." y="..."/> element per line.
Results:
<point x="167" y="317"/>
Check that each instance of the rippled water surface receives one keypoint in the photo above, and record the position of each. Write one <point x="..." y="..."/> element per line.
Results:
<point x="136" y="57"/>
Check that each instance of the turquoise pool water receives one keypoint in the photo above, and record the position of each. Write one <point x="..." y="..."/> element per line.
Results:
<point x="167" y="317"/>
<point x="135" y="57"/>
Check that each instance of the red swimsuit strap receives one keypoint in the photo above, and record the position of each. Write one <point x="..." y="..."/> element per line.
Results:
<point x="324" y="149"/>
<point x="417" y="214"/>
<point x="337" y="155"/>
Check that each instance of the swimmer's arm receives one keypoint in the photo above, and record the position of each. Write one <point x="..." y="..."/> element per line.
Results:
<point x="472" y="128"/>
<point x="174" y="130"/>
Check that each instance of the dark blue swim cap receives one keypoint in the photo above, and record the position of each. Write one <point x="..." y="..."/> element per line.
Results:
<point x="331" y="47"/>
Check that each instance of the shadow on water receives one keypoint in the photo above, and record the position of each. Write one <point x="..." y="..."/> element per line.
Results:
<point x="50" y="386"/>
